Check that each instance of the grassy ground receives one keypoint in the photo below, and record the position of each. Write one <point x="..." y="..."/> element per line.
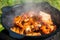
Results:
<point x="54" y="3"/>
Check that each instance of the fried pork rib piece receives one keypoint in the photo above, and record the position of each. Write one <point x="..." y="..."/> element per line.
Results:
<point x="47" y="29"/>
<point x="17" y="21"/>
<point x="33" y="34"/>
<point x="34" y="25"/>
<point x="17" y="30"/>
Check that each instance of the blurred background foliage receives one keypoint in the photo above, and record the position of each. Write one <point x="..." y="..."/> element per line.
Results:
<point x="54" y="3"/>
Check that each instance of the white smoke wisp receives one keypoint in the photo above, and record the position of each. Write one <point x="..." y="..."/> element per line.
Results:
<point x="28" y="5"/>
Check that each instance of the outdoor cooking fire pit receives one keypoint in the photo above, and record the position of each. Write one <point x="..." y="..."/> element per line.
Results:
<point x="32" y="20"/>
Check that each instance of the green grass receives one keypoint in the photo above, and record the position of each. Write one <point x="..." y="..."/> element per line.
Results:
<point x="1" y="27"/>
<point x="54" y="3"/>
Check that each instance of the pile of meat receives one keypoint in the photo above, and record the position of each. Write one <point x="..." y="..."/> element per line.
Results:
<point x="33" y="25"/>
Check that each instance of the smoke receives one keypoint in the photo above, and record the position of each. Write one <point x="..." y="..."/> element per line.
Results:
<point x="28" y="1"/>
<point x="28" y="5"/>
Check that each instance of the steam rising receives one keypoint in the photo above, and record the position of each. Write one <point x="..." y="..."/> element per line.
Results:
<point x="29" y="5"/>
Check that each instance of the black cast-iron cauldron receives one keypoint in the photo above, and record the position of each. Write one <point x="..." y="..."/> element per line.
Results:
<point x="9" y="12"/>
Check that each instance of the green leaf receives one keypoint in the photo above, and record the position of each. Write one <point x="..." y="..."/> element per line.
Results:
<point x="1" y="27"/>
